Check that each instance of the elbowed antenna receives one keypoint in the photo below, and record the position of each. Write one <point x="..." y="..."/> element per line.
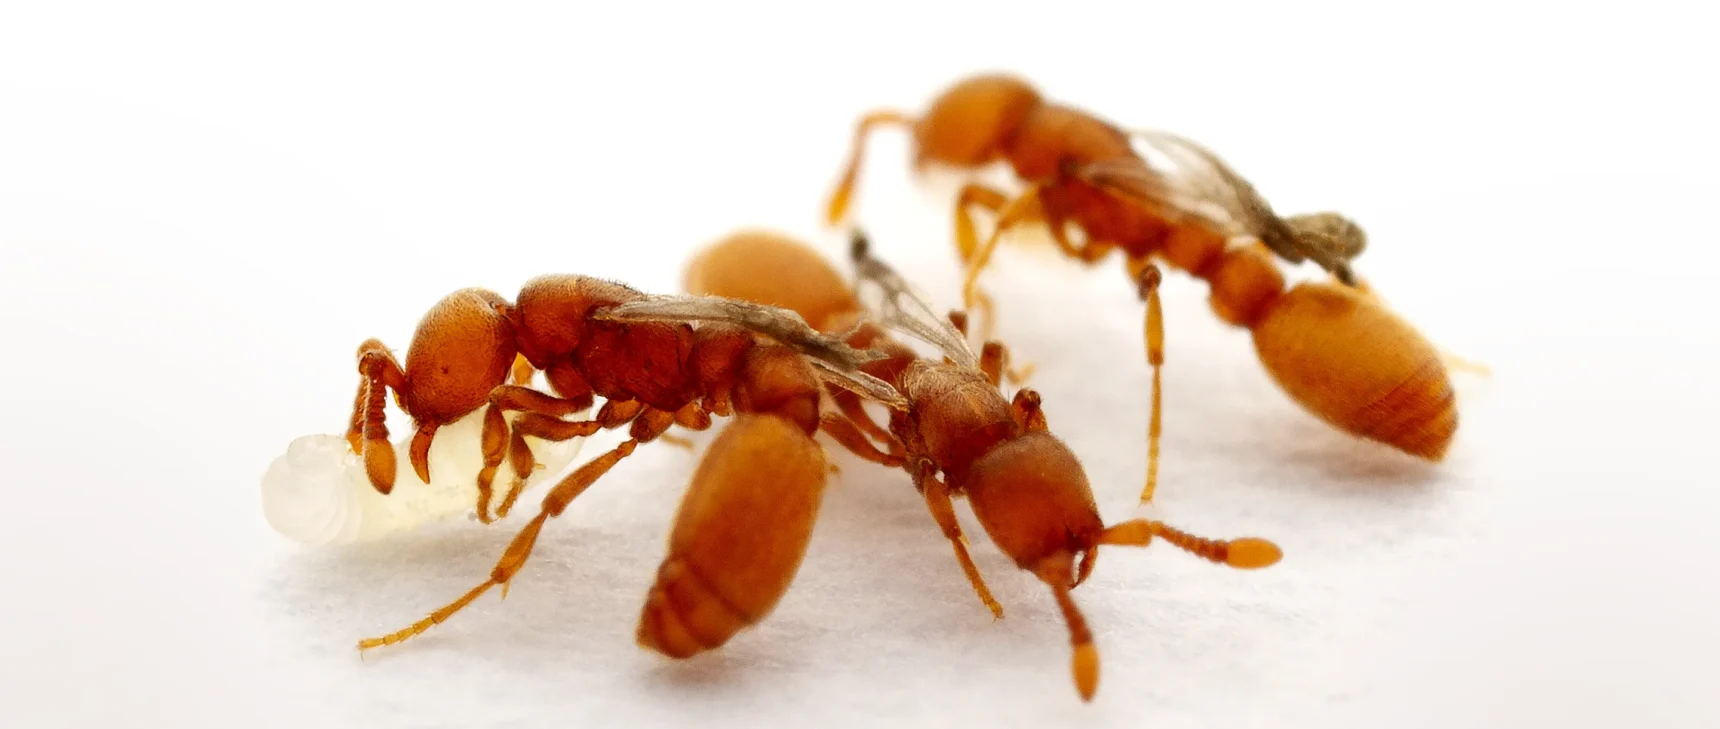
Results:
<point x="1245" y="553"/>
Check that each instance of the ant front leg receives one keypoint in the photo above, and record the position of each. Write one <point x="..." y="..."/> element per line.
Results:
<point x="937" y="496"/>
<point x="368" y="431"/>
<point x="843" y="430"/>
<point x="521" y="548"/>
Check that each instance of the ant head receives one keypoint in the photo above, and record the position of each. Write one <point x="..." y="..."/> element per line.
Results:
<point x="1330" y="239"/>
<point x="1032" y="496"/>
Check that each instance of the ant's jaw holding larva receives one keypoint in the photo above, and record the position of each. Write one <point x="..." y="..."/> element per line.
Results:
<point x="317" y="493"/>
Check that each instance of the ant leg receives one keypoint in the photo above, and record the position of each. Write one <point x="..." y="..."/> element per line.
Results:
<point x="526" y="399"/>
<point x="543" y="410"/>
<point x="993" y="359"/>
<point x="967" y="241"/>
<point x="691" y="416"/>
<point x="837" y="208"/>
<point x="651" y="424"/>
<point x="1025" y="208"/>
<point x="968" y="247"/>
<point x="848" y="435"/>
<point x="854" y="409"/>
<point x="495" y="445"/>
<point x="616" y="413"/>
<point x="1155" y="339"/>
<point x="521" y="548"/>
<point x="523" y="462"/>
<point x="677" y="441"/>
<point x="647" y="424"/>
<point x="943" y="510"/>
<point x="1090" y="251"/>
<point x="959" y="320"/>
<point x="380" y="371"/>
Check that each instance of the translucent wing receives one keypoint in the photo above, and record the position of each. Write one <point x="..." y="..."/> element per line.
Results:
<point x="837" y="362"/>
<point x="1182" y="182"/>
<point x="904" y="309"/>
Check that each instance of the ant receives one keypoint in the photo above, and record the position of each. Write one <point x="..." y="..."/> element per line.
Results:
<point x="745" y="520"/>
<point x="1335" y="349"/>
<point x="957" y="436"/>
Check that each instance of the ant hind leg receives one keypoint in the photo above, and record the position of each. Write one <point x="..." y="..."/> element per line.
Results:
<point x="520" y="549"/>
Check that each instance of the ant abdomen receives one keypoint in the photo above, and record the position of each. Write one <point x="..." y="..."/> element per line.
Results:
<point x="735" y="547"/>
<point x="1356" y="365"/>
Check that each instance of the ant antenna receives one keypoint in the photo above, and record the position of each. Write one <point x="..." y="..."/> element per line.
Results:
<point x="1247" y="553"/>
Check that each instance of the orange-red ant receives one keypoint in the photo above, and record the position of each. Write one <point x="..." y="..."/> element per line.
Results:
<point x="1334" y="348"/>
<point x="957" y="434"/>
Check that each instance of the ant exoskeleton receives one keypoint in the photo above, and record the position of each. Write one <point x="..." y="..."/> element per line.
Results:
<point x="957" y="435"/>
<point x="745" y="521"/>
<point x="1335" y="349"/>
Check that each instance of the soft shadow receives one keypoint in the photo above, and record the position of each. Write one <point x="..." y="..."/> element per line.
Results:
<point x="1345" y="464"/>
<point x="718" y="671"/>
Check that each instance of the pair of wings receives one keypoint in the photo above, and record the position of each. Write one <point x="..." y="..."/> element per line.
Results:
<point x="1183" y="182"/>
<point x="900" y="308"/>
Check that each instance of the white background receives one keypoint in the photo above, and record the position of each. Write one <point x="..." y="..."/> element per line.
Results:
<point x="204" y="209"/>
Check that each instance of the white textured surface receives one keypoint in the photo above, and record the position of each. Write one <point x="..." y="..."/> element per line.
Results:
<point x="202" y="213"/>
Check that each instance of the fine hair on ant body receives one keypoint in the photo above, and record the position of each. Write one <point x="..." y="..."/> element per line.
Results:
<point x="1334" y="348"/>
<point x="957" y="435"/>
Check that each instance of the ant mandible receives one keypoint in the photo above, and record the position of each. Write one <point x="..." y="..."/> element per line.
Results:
<point x="957" y="435"/>
<point x="1334" y="349"/>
